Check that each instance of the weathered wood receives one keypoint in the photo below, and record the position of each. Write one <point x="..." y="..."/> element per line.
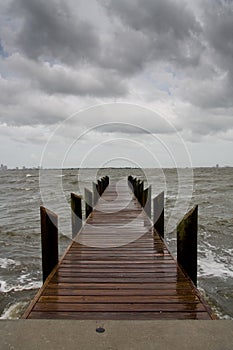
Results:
<point x="140" y="191"/>
<point x="76" y="213"/>
<point x="187" y="243"/>
<point x="168" y="315"/>
<point x="49" y="240"/>
<point x="99" y="187"/>
<point x="158" y="214"/>
<point x="136" y="279"/>
<point x="88" y="202"/>
<point x="148" y="202"/>
<point x="144" y="197"/>
<point x="95" y="194"/>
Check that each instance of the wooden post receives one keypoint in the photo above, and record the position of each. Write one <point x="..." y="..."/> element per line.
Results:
<point x="76" y="213"/>
<point x="104" y="180"/>
<point x="130" y="182"/>
<point x="133" y="183"/>
<point x="99" y="187"/>
<point x="140" y="192"/>
<point x="95" y="194"/>
<point x="88" y="201"/>
<point x="136" y="188"/>
<point x="148" y="202"/>
<point x="49" y="241"/>
<point x="144" y="197"/>
<point x="158" y="214"/>
<point x="187" y="243"/>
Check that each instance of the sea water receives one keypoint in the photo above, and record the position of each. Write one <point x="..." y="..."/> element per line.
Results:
<point x="23" y="191"/>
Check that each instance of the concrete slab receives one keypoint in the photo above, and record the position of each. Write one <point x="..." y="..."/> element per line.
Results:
<point x="124" y="335"/>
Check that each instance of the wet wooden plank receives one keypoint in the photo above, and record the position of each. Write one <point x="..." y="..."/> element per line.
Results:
<point x="186" y="315"/>
<point x="171" y="299"/>
<point x="166" y="293"/>
<point x="117" y="268"/>
<point x="118" y="307"/>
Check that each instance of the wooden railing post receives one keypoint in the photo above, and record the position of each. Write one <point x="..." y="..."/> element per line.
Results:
<point x="187" y="243"/>
<point x="130" y="182"/>
<point x="144" y="197"/>
<point x="148" y="202"/>
<point x="99" y="187"/>
<point x="158" y="214"/>
<point x="95" y="193"/>
<point x="88" y="202"/>
<point x="76" y="213"/>
<point x="140" y="192"/>
<point x="49" y="241"/>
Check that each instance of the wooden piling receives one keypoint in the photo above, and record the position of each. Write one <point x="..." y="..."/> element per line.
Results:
<point x="95" y="193"/>
<point x="99" y="187"/>
<point x="49" y="240"/>
<point x="187" y="243"/>
<point x="144" y="197"/>
<point x="88" y="202"/>
<point x="140" y="191"/>
<point x="76" y="213"/>
<point x="158" y="214"/>
<point x="148" y="202"/>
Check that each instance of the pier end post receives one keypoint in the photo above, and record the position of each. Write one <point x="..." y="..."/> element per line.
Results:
<point x="95" y="193"/>
<point x="76" y="213"/>
<point x="187" y="243"/>
<point x="148" y="202"/>
<point x="158" y="214"/>
<point x="49" y="240"/>
<point x="88" y="202"/>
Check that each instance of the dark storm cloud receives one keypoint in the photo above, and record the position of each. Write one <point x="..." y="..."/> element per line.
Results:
<point x="219" y="27"/>
<point x="154" y="30"/>
<point x="170" y="27"/>
<point x="210" y="86"/>
<point x="127" y="51"/>
<point x="52" y="30"/>
<point x="62" y="79"/>
<point x="161" y="16"/>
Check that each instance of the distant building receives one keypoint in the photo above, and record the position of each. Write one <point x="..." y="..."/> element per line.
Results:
<point x="3" y="167"/>
<point x="217" y="165"/>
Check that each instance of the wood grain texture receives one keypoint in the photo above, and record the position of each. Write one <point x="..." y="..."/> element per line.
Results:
<point x="117" y="267"/>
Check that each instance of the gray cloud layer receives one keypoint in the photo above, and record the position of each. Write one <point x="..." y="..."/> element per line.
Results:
<point x="56" y="57"/>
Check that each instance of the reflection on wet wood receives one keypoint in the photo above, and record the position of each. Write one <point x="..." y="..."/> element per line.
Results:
<point x="117" y="267"/>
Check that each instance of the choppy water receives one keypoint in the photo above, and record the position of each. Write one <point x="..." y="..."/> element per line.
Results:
<point x="23" y="191"/>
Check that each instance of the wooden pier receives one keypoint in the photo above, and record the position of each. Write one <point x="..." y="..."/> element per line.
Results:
<point x="118" y="267"/>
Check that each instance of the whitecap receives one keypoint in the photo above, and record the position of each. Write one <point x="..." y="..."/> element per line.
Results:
<point x="5" y="263"/>
<point x="210" y="267"/>
<point x="6" y="288"/>
<point x="3" y="287"/>
<point x="14" y="311"/>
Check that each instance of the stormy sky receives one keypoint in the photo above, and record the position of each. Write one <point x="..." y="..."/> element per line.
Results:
<point x="116" y="82"/>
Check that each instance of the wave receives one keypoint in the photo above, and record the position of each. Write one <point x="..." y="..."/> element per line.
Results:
<point x="14" y="311"/>
<point x="5" y="263"/>
<point x="210" y="267"/>
<point x="6" y="288"/>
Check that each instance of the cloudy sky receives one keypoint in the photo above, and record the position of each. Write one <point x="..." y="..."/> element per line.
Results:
<point x="116" y="82"/>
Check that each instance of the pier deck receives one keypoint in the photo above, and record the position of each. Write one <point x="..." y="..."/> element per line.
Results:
<point x="118" y="268"/>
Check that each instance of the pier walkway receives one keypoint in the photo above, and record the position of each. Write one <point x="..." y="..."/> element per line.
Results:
<point x="118" y="268"/>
